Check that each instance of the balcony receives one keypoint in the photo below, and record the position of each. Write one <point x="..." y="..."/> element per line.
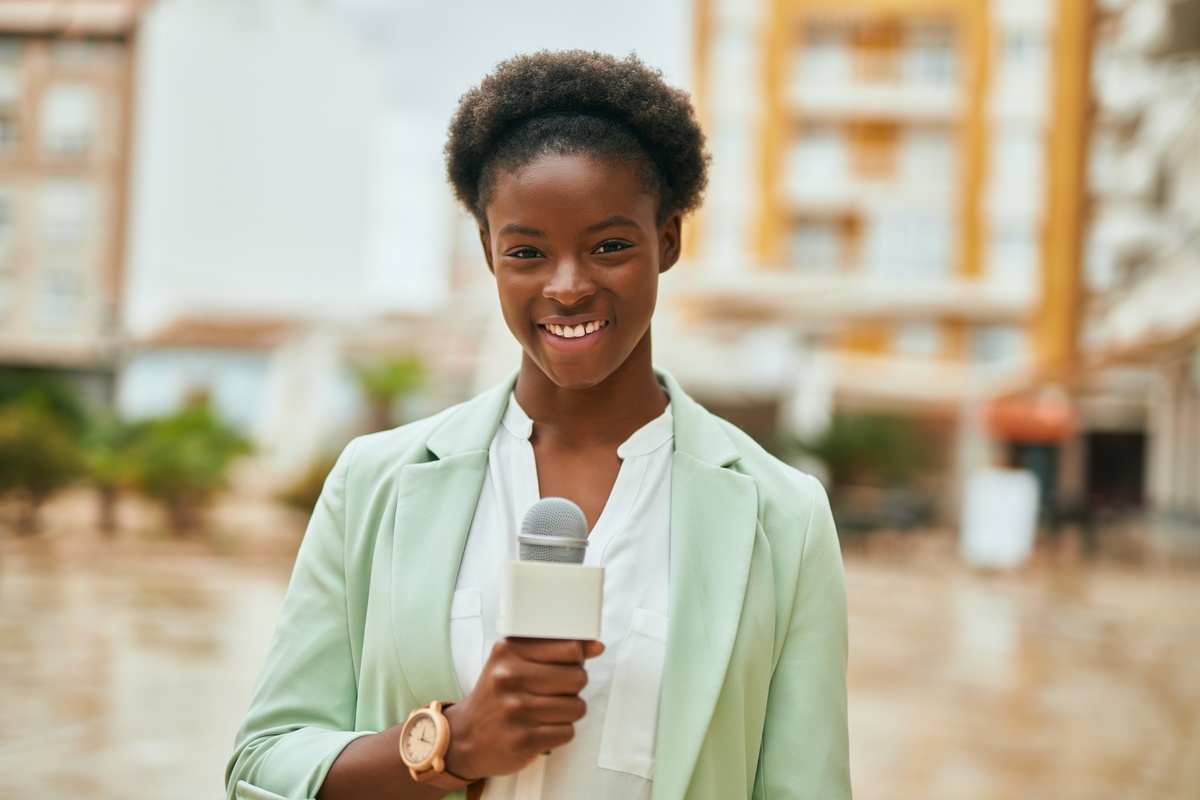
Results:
<point x="828" y="297"/>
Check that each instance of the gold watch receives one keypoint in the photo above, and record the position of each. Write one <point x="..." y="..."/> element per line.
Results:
<point x="424" y="740"/>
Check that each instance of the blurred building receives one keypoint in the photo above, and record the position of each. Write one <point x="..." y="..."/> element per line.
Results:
<point x="897" y="193"/>
<point x="1137" y="381"/>
<point x="66" y="71"/>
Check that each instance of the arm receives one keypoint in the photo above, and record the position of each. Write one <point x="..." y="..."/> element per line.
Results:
<point x="805" y="749"/>
<point x="525" y="703"/>
<point x="298" y="739"/>
<point x="301" y="712"/>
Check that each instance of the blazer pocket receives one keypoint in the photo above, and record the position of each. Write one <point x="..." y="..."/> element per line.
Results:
<point x="631" y="723"/>
<point x="466" y="637"/>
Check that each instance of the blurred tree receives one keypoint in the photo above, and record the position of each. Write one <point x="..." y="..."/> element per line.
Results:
<point x="302" y="495"/>
<point x="384" y="383"/>
<point x="182" y="461"/>
<point x="870" y="449"/>
<point x="38" y="456"/>
<point x="108" y="449"/>
<point x="57" y="397"/>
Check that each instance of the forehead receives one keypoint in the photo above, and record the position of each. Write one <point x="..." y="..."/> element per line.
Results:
<point x="568" y="191"/>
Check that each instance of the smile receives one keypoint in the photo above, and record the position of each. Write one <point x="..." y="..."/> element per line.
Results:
<point x="574" y="331"/>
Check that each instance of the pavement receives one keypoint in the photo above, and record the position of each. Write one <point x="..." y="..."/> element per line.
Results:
<point x="125" y="664"/>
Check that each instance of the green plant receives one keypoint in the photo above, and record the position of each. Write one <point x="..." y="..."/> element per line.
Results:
<point x="870" y="449"/>
<point x="53" y="395"/>
<point x="386" y="381"/>
<point x="107" y="456"/>
<point x="38" y="456"/>
<point x="182" y="461"/>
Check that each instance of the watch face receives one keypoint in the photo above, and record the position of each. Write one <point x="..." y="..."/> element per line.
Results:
<point x="418" y="738"/>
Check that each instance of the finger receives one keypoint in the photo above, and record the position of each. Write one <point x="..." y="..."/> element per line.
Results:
<point x="592" y="648"/>
<point x="516" y="676"/>
<point x="539" y="710"/>
<point x="548" y="651"/>
<point x="544" y="738"/>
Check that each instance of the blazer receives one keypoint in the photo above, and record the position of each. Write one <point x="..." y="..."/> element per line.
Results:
<point x="753" y="700"/>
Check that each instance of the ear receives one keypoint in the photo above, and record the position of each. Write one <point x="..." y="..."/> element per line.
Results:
<point x="486" y="241"/>
<point x="670" y="242"/>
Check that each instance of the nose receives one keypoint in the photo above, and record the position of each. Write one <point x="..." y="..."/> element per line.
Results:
<point x="569" y="283"/>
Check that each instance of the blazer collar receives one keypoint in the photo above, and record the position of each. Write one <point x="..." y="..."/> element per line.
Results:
<point x="471" y="426"/>
<point x="713" y="529"/>
<point x="697" y="433"/>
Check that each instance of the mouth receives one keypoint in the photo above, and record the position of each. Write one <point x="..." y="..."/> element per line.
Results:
<point x="574" y="331"/>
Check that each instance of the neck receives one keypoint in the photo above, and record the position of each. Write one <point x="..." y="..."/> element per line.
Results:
<point x="604" y="414"/>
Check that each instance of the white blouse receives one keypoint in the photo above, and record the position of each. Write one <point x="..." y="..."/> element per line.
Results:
<point x="612" y="754"/>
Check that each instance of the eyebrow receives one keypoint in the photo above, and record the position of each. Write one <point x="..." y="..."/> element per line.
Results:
<point x="615" y="221"/>
<point x="522" y="230"/>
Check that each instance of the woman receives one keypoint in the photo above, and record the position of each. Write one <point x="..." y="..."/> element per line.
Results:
<point x="722" y="668"/>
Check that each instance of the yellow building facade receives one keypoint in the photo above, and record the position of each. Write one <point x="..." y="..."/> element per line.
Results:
<point x="900" y="182"/>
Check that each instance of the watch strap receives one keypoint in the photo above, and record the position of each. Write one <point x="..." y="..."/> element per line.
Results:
<point x="441" y="778"/>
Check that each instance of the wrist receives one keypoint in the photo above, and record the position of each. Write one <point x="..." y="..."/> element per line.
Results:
<point x="458" y="755"/>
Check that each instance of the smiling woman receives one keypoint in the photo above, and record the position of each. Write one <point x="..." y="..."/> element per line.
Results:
<point x="721" y="670"/>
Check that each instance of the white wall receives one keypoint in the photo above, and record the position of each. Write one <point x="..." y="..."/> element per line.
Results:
<point x="288" y="153"/>
<point x="251" y="152"/>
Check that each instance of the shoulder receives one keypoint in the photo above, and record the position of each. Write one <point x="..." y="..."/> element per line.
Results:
<point x="786" y="494"/>
<point x="464" y="427"/>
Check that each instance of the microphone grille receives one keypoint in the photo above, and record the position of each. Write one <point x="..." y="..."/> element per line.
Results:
<point x="555" y="530"/>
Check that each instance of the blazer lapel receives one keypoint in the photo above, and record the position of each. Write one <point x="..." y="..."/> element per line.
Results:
<point x="435" y="503"/>
<point x="714" y="513"/>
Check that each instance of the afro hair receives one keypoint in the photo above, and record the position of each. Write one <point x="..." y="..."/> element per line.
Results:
<point x="571" y="102"/>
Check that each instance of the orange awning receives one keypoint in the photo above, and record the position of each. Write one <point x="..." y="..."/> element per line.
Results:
<point x="1038" y="419"/>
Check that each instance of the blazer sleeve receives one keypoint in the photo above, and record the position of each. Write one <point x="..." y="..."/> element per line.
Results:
<point x="302" y="709"/>
<point x="805" y="746"/>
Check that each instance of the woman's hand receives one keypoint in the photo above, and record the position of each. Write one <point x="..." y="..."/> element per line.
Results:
<point x="525" y="703"/>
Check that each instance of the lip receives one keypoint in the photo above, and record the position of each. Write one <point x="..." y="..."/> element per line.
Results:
<point x="571" y="345"/>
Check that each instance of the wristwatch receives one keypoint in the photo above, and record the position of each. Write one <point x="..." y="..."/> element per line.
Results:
<point x="424" y="740"/>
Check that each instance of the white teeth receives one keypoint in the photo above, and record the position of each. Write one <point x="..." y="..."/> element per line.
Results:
<point x="574" y="332"/>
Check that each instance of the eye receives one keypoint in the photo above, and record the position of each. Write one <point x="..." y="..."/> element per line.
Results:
<point x="523" y="253"/>
<point x="611" y="246"/>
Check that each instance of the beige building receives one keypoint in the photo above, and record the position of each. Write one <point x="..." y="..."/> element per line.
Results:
<point x="1138" y="378"/>
<point x="65" y="102"/>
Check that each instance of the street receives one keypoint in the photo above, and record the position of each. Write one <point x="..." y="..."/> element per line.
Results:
<point x="126" y="665"/>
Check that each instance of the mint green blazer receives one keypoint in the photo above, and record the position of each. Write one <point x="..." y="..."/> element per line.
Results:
<point x="753" y="699"/>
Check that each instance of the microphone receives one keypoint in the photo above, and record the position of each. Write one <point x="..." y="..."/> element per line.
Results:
<point x="554" y="530"/>
<point x="549" y="593"/>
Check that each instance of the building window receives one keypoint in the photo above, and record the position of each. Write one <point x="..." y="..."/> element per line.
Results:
<point x="908" y="245"/>
<point x="928" y="56"/>
<point x="997" y="344"/>
<point x="61" y="298"/>
<point x="66" y="211"/>
<point x="1014" y="253"/>
<point x="11" y="48"/>
<point x="1023" y="50"/>
<point x="917" y="339"/>
<point x="826" y="55"/>
<point x="819" y="156"/>
<point x="927" y="157"/>
<point x="86" y="52"/>
<point x="69" y="117"/>
<point x="1018" y="154"/>
<point x="817" y="248"/>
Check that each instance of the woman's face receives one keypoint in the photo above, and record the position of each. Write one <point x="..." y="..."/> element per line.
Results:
<point x="576" y="251"/>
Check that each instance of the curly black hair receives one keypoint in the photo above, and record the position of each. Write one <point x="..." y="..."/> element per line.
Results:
<point x="570" y="102"/>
